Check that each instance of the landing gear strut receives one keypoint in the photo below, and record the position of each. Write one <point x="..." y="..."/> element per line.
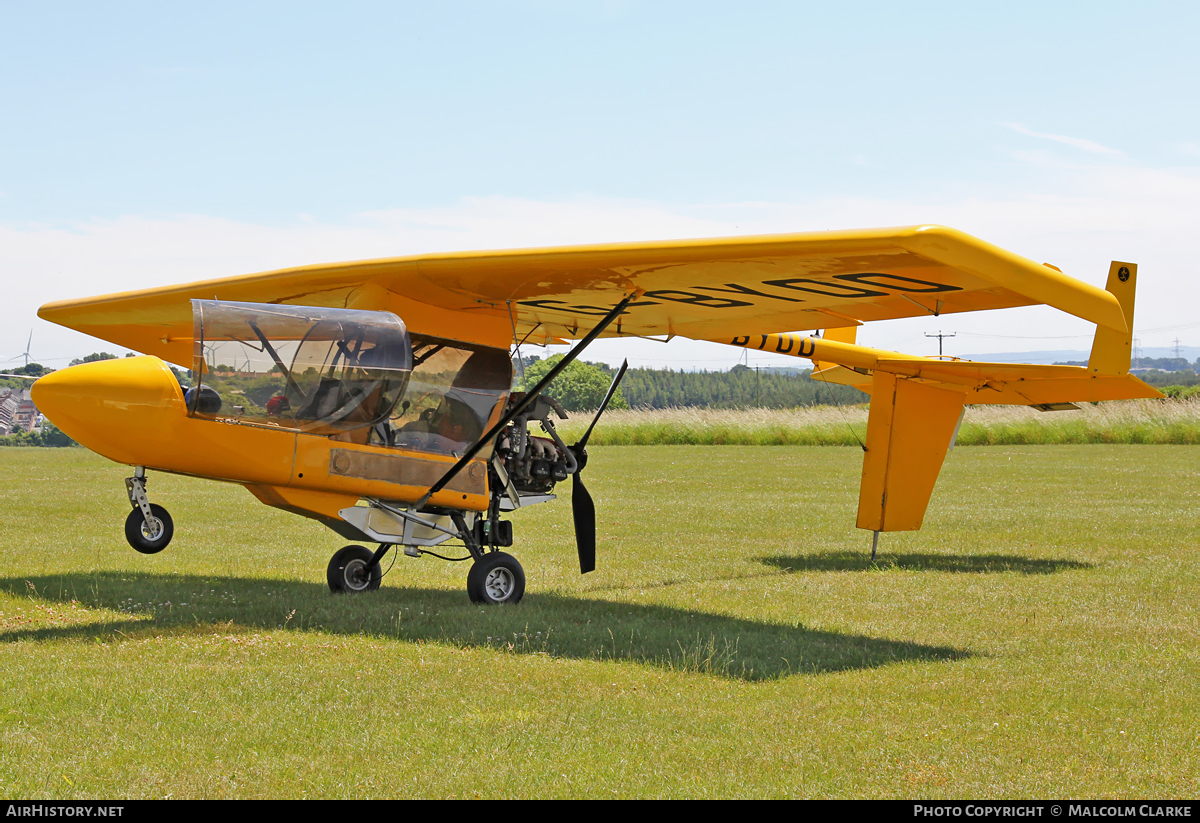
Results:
<point x="495" y="577"/>
<point x="148" y="528"/>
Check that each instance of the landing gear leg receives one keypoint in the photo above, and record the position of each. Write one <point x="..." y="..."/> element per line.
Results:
<point x="148" y="528"/>
<point x="495" y="578"/>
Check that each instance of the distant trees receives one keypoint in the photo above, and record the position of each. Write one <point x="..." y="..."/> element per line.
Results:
<point x="93" y="357"/>
<point x="739" y="388"/>
<point x="32" y="369"/>
<point x="49" y="435"/>
<point x="580" y="386"/>
<point x="1169" y="378"/>
<point x="1164" y="364"/>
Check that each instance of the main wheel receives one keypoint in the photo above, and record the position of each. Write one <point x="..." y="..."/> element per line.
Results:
<point x="348" y="571"/>
<point x="149" y="537"/>
<point x="497" y="578"/>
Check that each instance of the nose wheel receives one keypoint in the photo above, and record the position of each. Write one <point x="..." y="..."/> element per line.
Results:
<point x="149" y="535"/>
<point x="148" y="528"/>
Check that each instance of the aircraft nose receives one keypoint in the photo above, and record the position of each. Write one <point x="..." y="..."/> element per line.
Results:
<point x="106" y="405"/>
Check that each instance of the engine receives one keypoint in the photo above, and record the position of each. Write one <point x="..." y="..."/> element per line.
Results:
<point x="535" y="464"/>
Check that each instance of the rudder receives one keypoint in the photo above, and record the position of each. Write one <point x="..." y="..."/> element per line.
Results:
<point x="1112" y="350"/>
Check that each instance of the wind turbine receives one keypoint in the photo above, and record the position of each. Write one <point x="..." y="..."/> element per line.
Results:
<point x="25" y="354"/>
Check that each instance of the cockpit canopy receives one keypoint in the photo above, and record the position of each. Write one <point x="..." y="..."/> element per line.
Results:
<point x="319" y="370"/>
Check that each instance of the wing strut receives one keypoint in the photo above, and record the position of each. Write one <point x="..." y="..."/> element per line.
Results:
<point x="527" y="401"/>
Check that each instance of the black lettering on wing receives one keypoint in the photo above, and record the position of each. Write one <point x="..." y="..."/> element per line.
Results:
<point x="735" y="288"/>
<point x="707" y="300"/>
<point x="559" y="305"/>
<point x="839" y="289"/>
<point x="870" y="279"/>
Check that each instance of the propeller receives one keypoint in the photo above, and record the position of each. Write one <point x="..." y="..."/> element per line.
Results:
<point x="582" y="507"/>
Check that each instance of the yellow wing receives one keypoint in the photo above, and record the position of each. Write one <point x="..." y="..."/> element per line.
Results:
<point x="702" y="289"/>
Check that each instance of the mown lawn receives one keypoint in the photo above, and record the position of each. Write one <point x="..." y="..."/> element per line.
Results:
<point x="1038" y="638"/>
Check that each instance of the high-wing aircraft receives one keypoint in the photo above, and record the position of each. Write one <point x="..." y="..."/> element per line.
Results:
<point x="376" y="396"/>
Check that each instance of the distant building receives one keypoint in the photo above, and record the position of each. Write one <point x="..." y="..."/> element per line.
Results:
<point x="10" y="405"/>
<point x="17" y="410"/>
<point x="27" y="413"/>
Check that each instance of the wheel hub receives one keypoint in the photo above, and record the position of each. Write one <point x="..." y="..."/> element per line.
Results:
<point x="356" y="575"/>
<point x="499" y="584"/>
<point x="152" y="529"/>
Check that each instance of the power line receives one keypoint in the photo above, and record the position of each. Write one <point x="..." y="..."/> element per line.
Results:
<point x="1028" y="336"/>
<point x="939" y="336"/>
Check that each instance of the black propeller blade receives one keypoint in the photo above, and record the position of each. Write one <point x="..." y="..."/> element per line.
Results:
<point x="584" y="512"/>
<point x="582" y="507"/>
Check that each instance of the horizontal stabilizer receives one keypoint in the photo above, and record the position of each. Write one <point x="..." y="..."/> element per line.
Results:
<point x="909" y="431"/>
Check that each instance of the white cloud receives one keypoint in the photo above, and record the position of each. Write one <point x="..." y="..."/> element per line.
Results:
<point x="1075" y="142"/>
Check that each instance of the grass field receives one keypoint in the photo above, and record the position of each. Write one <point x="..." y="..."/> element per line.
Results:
<point x="1037" y="639"/>
<point x="1173" y="422"/>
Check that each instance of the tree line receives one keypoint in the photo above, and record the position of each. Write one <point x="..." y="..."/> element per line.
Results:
<point x="583" y="384"/>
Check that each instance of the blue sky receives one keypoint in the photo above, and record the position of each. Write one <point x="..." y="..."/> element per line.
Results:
<point x="153" y="143"/>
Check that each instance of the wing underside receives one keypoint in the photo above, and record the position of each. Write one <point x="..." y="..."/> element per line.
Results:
<point x="702" y="289"/>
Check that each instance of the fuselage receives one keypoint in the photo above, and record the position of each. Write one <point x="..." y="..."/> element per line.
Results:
<point x="132" y="411"/>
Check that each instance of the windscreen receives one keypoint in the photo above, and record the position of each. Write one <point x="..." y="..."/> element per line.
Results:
<point x="324" y="371"/>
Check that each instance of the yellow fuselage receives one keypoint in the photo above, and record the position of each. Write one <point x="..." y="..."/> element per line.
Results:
<point x="132" y="411"/>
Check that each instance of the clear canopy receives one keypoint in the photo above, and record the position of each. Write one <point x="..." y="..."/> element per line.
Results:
<point x="325" y="371"/>
<point x="456" y="393"/>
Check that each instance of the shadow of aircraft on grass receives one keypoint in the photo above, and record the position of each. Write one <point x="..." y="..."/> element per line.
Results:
<point x="844" y="561"/>
<point x="555" y="625"/>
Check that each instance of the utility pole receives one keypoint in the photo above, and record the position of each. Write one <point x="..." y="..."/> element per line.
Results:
<point x="939" y="336"/>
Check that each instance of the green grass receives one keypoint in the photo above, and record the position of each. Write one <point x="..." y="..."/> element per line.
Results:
<point x="1038" y="638"/>
<point x="1173" y="422"/>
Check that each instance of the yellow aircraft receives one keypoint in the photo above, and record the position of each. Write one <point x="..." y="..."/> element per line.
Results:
<point x="375" y="396"/>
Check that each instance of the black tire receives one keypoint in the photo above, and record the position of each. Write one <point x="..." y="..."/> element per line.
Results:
<point x="149" y="538"/>
<point x="496" y="579"/>
<point x="346" y="571"/>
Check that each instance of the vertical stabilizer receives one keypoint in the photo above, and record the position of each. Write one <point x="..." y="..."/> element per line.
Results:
<point x="1111" y="349"/>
